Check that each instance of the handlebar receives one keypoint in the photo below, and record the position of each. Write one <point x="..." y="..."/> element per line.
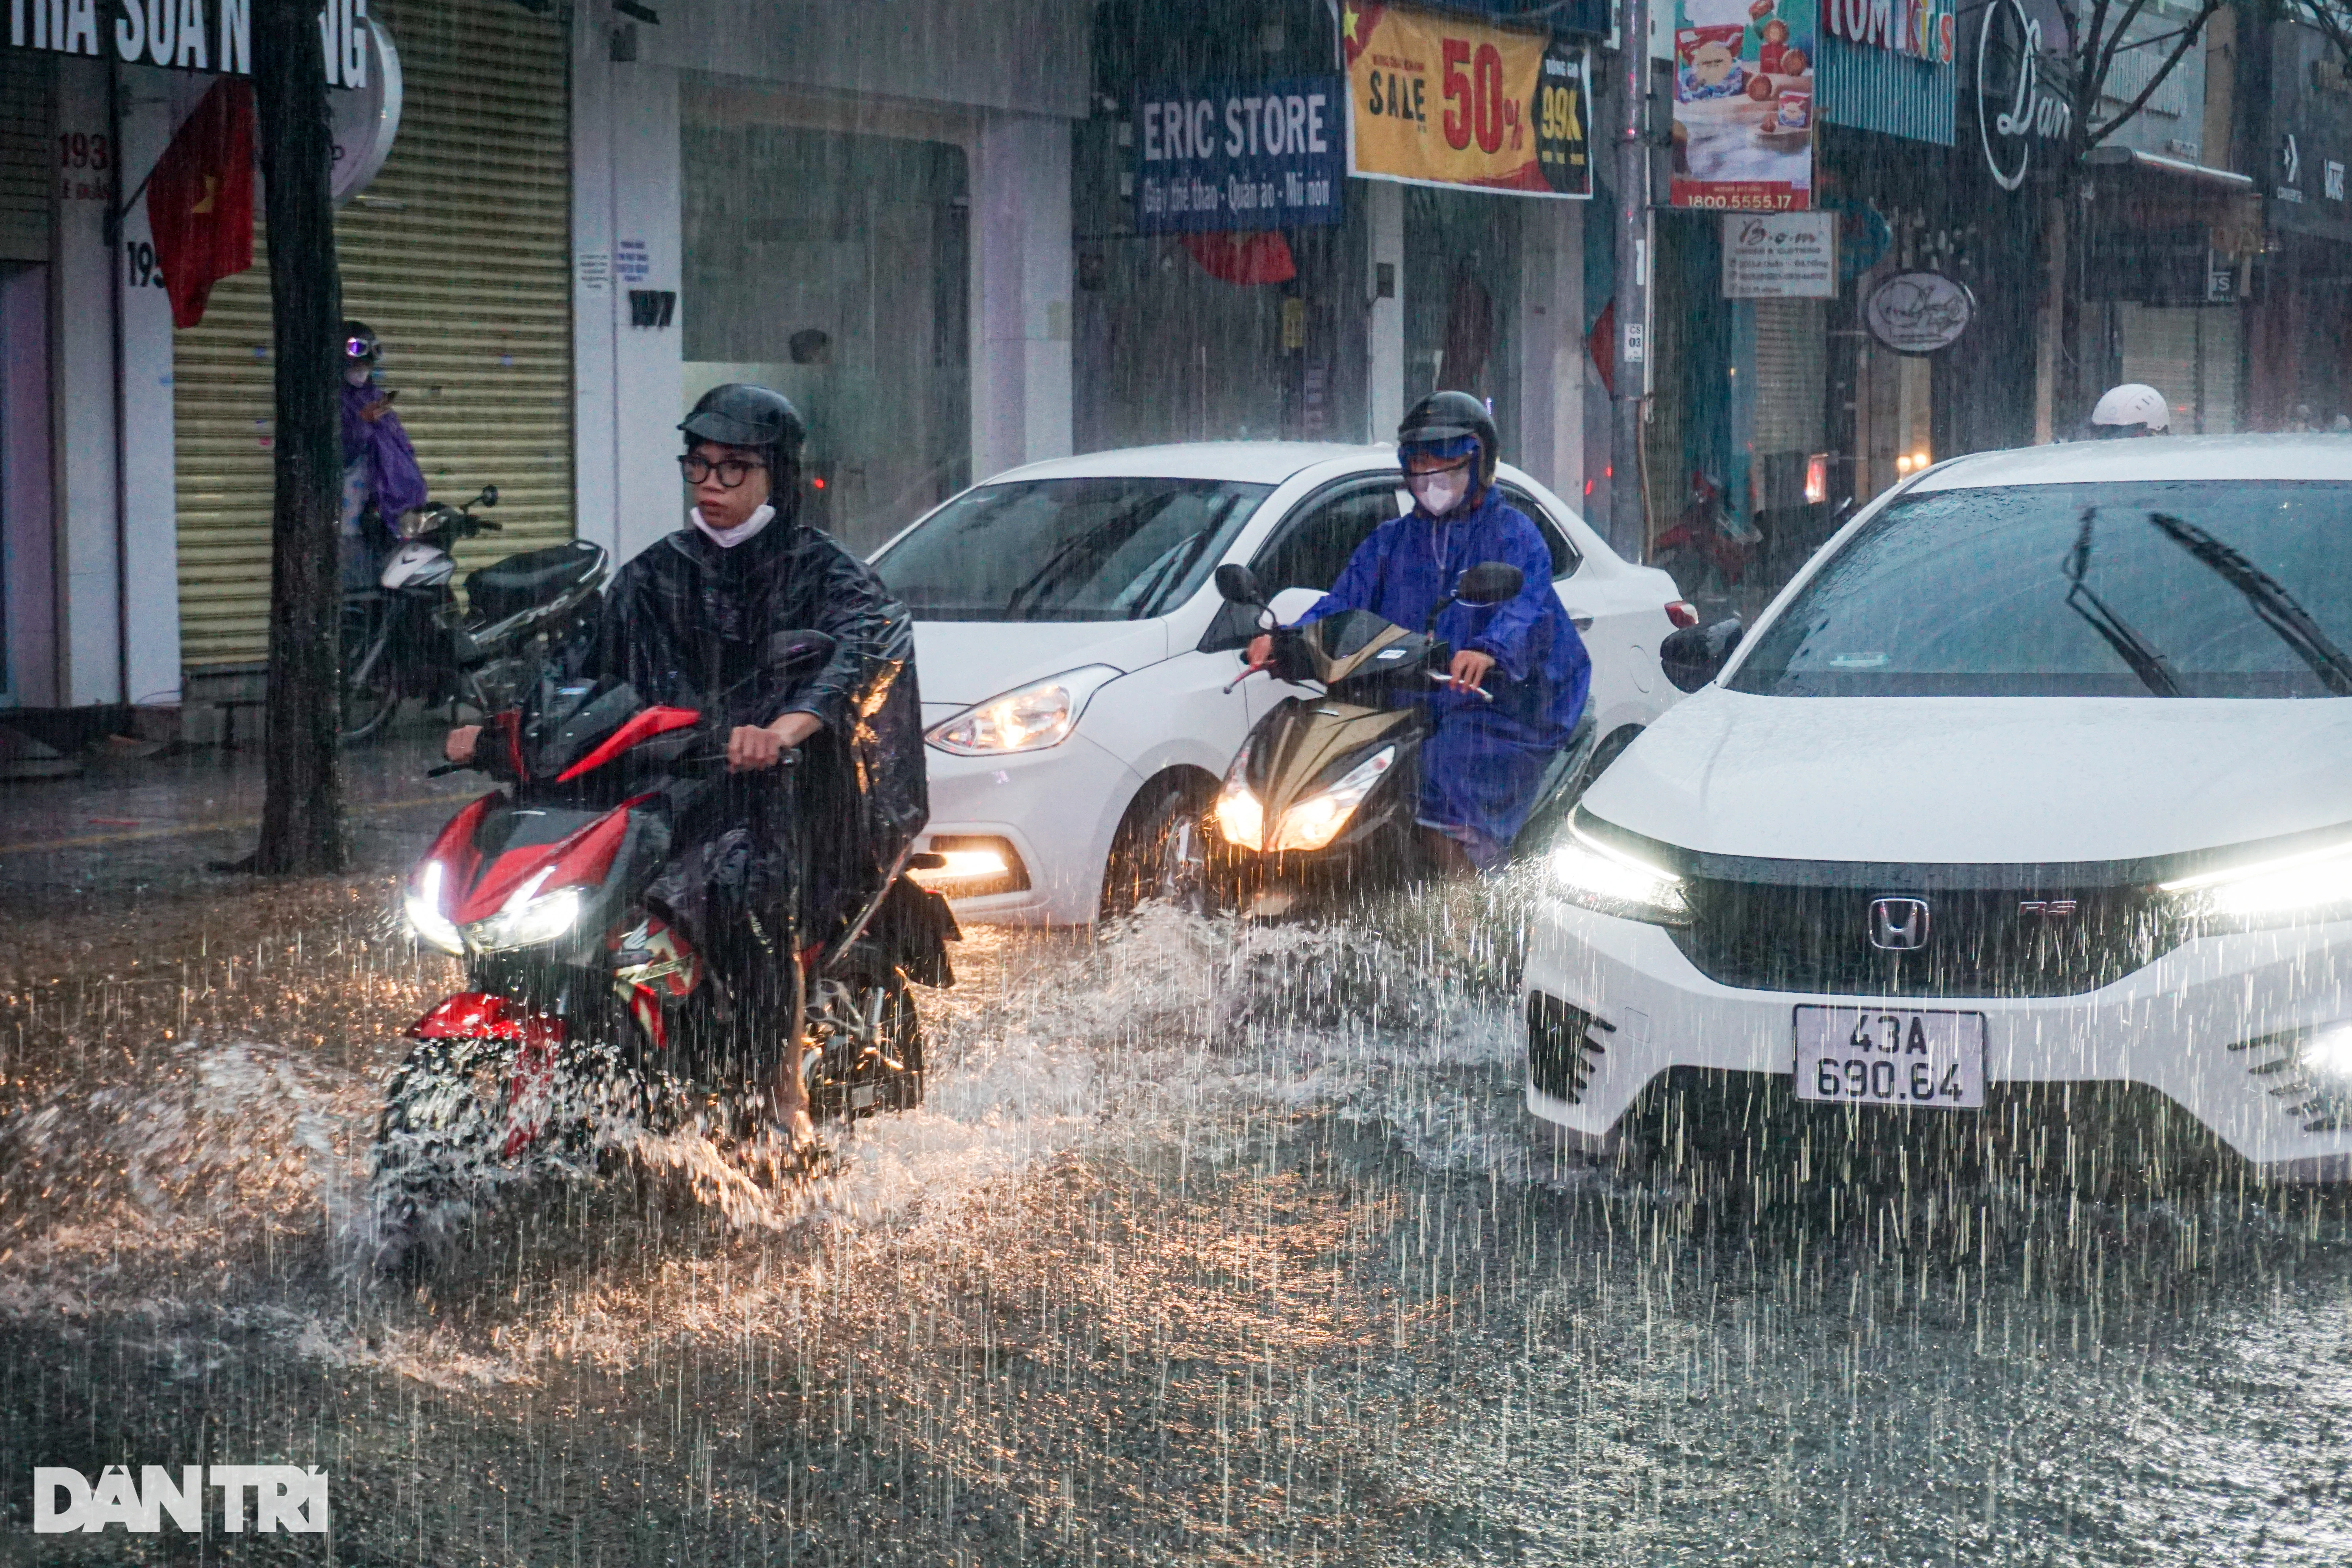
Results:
<point x="1442" y="678"/>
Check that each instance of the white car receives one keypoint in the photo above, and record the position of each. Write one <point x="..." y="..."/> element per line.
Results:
<point x="2039" y="774"/>
<point x="1078" y="664"/>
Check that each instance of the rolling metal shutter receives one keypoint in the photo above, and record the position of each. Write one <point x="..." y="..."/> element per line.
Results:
<point x="458" y="255"/>
<point x="27" y="161"/>
<point x="1791" y="366"/>
<point x="2189" y="353"/>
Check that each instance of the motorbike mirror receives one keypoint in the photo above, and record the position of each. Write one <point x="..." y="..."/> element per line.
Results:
<point x="1491" y="582"/>
<point x="1238" y="584"/>
<point x="1696" y="655"/>
<point x="490" y="496"/>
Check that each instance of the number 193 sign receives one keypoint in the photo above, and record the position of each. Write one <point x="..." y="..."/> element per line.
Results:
<point x="1443" y="101"/>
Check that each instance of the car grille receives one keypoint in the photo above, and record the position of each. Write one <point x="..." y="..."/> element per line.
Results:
<point x="2023" y="941"/>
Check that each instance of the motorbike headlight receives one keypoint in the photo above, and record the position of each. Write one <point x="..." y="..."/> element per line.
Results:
<point x="1312" y="823"/>
<point x="1240" y="817"/>
<point x="1594" y="875"/>
<point x="2314" y="885"/>
<point x="1029" y="719"/>
<point x="528" y="919"/>
<point x="425" y="920"/>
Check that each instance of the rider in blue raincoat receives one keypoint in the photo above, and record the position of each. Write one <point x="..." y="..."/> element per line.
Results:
<point x="1483" y="766"/>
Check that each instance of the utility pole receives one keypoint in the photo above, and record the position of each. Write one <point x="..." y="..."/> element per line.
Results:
<point x="1627" y="521"/>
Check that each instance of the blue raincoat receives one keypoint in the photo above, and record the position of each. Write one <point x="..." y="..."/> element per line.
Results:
<point x="1481" y="768"/>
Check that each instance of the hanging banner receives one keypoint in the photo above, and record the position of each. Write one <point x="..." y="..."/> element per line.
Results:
<point x="1221" y="156"/>
<point x="1438" y="99"/>
<point x="1743" y="133"/>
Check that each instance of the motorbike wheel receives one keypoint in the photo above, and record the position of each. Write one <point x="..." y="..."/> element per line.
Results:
<point x="1166" y="852"/>
<point x="442" y="1121"/>
<point x="370" y="694"/>
<point x="863" y="1049"/>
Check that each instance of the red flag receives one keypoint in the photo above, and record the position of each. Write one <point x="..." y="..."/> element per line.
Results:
<point x="1243" y="259"/>
<point x="200" y="199"/>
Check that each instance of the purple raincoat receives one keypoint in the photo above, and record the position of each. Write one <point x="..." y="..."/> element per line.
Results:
<point x="393" y="481"/>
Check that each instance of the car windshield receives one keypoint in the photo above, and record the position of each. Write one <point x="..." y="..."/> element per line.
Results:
<point x="2185" y="589"/>
<point x="1068" y="550"/>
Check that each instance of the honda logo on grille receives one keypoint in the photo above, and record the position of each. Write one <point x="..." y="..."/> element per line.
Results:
<point x="1898" y="925"/>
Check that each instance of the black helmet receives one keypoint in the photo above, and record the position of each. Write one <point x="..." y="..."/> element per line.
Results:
<point x="1453" y="416"/>
<point x="361" y="345"/>
<point x="740" y="415"/>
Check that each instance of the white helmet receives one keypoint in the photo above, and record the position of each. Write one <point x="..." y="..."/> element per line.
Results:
<point x="2134" y="408"/>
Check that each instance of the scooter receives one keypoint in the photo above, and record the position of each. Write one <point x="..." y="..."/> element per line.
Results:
<point x="406" y="637"/>
<point x="1709" y="549"/>
<point x="1321" y="799"/>
<point x="585" y="1008"/>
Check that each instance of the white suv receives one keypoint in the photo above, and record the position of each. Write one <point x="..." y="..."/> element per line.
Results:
<point x="2041" y="773"/>
<point x="1078" y="663"/>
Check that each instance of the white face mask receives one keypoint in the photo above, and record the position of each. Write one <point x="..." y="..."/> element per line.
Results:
<point x="355" y="375"/>
<point x="1440" y="492"/>
<point x="728" y="538"/>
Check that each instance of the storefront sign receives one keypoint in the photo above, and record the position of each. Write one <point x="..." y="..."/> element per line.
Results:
<point x="367" y="119"/>
<point x="2014" y="110"/>
<point x="1919" y="312"/>
<point x="1779" y="256"/>
<point x="214" y="35"/>
<point x="1233" y="157"/>
<point x="1744" y="104"/>
<point x="1443" y="101"/>
<point x="1923" y="29"/>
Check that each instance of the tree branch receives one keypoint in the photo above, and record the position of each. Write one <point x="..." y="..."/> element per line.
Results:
<point x="2189" y="35"/>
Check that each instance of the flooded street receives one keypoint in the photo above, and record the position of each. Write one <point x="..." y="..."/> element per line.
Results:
<point x="1209" y="1245"/>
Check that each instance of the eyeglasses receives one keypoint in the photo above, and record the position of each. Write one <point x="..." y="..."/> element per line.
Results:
<point x="731" y="471"/>
<point x="1453" y="466"/>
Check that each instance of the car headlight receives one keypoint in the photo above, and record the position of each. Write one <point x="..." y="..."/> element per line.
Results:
<point x="1240" y="816"/>
<point x="1312" y="823"/>
<point x="2328" y="1057"/>
<point x="528" y="919"/>
<point x="2315" y="884"/>
<point x="1594" y="875"/>
<point x="1029" y="719"/>
<point x="422" y="908"/>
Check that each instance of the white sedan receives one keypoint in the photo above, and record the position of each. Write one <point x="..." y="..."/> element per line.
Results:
<point x="2036" y="777"/>
<point x="1075" y="658"/>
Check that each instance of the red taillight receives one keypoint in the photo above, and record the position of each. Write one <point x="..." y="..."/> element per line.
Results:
<point x="1683" y="612"/>
<point x="479" y="1015"/>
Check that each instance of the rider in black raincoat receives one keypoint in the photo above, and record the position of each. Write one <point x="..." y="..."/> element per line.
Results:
<point x="697" y="620"/>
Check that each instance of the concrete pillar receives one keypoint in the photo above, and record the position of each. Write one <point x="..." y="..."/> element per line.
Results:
<point x="1552" y="346"/>
<point x="1384" y="399"/>
<point x="1021" y="277"/>
<point x="150" y="106"/>
<point x="648" y="378"/>
<point x="594" y="449"/>
<point x="90" y="604"/>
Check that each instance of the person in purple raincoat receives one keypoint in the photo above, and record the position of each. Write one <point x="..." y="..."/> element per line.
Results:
<point x="1482" y="768"/>
<point x="381" y="480"/>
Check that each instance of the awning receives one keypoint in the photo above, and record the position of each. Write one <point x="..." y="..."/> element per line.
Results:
<point x="2134" y="158"/>
<point x="2150" y="192"/>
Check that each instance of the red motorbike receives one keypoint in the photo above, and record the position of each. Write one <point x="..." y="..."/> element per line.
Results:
<point x="588" y="1014"/>
<point x="1707" y="551"/>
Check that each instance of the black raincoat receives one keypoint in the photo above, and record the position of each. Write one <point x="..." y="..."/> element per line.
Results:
<point x="692" y="624"/>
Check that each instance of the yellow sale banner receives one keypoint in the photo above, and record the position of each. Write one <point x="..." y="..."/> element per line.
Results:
<point x="1437" y="99"/>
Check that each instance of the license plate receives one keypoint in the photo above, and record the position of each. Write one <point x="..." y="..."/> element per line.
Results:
<point x="1891" y="1055"/>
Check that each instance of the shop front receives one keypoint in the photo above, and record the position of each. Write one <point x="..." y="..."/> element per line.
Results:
<point x="2299" y="372"/>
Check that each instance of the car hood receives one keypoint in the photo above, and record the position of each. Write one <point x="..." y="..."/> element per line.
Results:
<point x="960" y="663"/>
<point x="1962" y="780"/>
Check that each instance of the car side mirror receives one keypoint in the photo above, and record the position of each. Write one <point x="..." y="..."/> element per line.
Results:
<point x="1237" y="585"/>
<point x="1491" y="582"/>
<point x="1696" y="655"/>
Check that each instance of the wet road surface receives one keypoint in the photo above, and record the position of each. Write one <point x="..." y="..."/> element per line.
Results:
<point x="1208" y="1245"/>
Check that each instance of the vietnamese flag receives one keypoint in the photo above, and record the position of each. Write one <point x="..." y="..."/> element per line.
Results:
<point x="200" y="199"/>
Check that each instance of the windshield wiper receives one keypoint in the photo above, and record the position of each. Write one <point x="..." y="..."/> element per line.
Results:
<point x="2271" y="602"/>
<point x="2130" y="645"/>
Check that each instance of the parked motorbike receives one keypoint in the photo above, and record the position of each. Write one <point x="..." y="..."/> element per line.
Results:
<point x="407" y="637"/>
<point x="1708" y="550"/>
<point x="586" y="1007"/>
<point x="1320" y="800"/>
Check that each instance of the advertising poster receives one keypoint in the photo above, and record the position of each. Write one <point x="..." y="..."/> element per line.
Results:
<point x="1744" y="104"/>
<point x="1213" y="157"/>
<point x="1439" y="99"/>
